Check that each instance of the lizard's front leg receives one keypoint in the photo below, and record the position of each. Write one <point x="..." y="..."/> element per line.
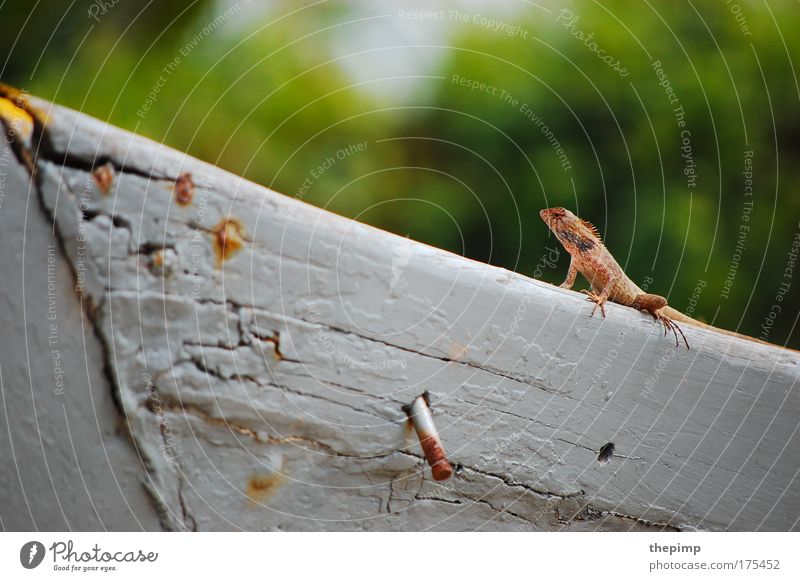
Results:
<point x="599" y="300"/>
<point x="571" y="274"/>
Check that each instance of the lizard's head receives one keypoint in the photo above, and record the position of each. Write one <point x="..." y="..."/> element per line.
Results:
<point x="577" y="236"/>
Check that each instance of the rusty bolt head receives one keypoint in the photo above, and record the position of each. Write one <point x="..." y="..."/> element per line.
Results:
<point x="104" y="177"/>
<point x="184" y="189"/>
<point x="229" y="237"/>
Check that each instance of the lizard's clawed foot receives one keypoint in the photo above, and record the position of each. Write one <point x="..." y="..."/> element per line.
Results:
<point x="670" y="325"/>
<point x="597" y="300"/>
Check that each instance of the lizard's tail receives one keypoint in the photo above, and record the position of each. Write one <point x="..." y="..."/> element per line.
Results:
<point x="681" y="318"/>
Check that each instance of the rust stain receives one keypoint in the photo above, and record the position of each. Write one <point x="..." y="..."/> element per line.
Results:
<point x="229" y="237"/>
<point x="104" y="177"/>
<point x="457" y="350"/>
<point x="275" y="339"/>
<point x="158" y="263"/>
<point x="261" y="487"/>
<point x="184" y="189"/>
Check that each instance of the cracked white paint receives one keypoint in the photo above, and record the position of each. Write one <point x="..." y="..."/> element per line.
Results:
<point x="267" y="394"/>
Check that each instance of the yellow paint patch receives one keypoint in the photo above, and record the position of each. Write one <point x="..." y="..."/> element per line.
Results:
<point x="16" y="119"/>
<point x="262" y="487"/>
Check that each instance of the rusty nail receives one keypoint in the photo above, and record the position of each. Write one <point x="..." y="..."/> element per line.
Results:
<point x="184" y="189"/>
<point x="420" y="415"/>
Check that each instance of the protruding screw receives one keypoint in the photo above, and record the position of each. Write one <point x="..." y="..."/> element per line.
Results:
<point x="420" y="415"/>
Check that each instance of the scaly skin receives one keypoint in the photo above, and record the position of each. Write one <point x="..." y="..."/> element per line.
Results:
<point x="592" y="259"/>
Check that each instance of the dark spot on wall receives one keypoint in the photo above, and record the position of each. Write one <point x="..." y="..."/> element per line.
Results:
<point x="606" y="452"/>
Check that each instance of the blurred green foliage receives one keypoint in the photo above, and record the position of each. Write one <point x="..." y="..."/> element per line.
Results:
<point x="468" y="170"/>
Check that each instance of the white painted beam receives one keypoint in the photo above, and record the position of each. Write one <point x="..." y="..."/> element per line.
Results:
<point x="265" y="391"/>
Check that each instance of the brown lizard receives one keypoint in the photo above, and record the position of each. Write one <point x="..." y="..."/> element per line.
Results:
<point x="590" y="257"/>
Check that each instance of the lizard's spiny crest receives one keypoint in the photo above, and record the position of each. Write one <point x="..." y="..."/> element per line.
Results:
<point x="591" y="228"/>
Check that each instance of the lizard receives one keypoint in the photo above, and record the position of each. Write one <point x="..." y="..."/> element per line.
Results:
<point x="590" y="257"/>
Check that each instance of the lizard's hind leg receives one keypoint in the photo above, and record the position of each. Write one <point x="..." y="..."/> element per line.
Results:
<point x="671" y="325"/>
<point x="649" y="303"/>
<point x="653" y="305"/>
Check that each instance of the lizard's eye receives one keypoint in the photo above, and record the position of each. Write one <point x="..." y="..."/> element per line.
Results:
<point x="553" y="214"/>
